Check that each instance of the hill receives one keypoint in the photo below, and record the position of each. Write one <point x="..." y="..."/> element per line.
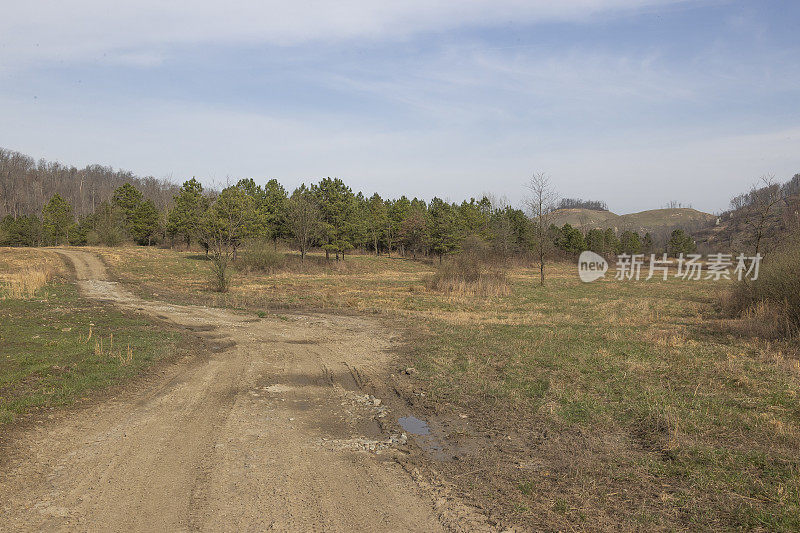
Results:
<point x="655" y="221"/>
<point x="758" y="220"/>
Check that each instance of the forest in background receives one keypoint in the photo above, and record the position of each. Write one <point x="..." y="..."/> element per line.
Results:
<point x="48" y="203"/>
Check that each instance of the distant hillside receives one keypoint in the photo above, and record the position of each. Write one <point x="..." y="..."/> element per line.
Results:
<point x="655" y="221"/>
<point x="762" y="218"/>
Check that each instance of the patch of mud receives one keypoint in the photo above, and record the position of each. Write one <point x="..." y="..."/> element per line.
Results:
<point x="222" y="346"/>
<point x="364" y="444"/>
<point x="414" y="425"/>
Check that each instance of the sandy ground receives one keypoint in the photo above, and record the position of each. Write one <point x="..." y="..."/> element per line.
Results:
<point x="271" y="431"/>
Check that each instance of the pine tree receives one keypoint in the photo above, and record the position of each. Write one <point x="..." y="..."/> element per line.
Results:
<point x="611" y="242"/>
<point x="190" y="204"/>
<point x="145" y="223"/>
<point x="274" y="210"/>
<point x="595" y="241"/>
<point x="571" y="239"/>
<point x="630" y="243"/>
<point x="126" y="200"/>
<point x="338" y="207"/>
<point x="444" y="230"/>
<point x="681" y="243"/>
<point x="56" y="220"/>
<point x="377" y="216"/>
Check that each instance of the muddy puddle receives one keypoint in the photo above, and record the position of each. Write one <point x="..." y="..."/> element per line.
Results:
<point x="425" y="437"/>
<point x="414" y="425"/>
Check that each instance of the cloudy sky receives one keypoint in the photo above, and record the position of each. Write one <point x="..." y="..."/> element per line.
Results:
<point x="635" y="102"/>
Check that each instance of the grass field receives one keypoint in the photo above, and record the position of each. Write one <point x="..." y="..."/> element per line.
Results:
<point x="57" y="347"/>
<point x="624" y="405"/>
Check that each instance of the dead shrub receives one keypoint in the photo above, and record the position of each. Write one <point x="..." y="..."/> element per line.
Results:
<point x="220" y="273"/>
<point x="473" y="272"/>
<point x="771" y="303"/>
<point x="260" y="255"/>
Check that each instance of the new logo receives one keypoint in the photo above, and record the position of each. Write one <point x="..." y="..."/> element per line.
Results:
<point x="591" y="266"/>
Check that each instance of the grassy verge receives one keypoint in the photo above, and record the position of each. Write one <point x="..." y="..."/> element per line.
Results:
<point x="48" y="357"/>
<point x="611" y="405"/>
<point x="615" y="406"/>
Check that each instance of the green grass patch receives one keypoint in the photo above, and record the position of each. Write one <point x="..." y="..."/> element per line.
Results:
<point x="48" y="359"/>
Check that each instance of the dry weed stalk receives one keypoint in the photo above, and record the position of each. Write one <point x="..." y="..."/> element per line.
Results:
<point x="24" y="284"/>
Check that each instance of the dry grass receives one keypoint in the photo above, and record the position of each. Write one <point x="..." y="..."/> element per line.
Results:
<point x="485" y="284"/>
<point x="24" y="271"/>
<point x="612" y="405"/>
<point x="769" y="306"/>
<point x="24" y="285"/>
<point x="471" y="273"/>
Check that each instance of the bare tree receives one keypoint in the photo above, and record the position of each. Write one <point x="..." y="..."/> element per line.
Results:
<point x="542" y="203"/>
<point x="763" y="202"/>
<point x="304" y="218"/>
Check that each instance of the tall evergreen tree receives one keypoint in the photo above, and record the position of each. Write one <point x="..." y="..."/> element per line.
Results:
<point x="630" y="243"/>
<point x="444" y="230"/>
<point x="274" y="210"/>
<point x="611" y="242"/>
<point x="56" y="220"/>
<point x="680" y="243"/>
<point x="377" y="216"/>
<point x="189" y="206"/>
<point x="595" y="241"/>
<point x="127" y="200"/>
<point x="338" y="207"/>
<point x="398" y="211"/>
<point x="145" y="223"/>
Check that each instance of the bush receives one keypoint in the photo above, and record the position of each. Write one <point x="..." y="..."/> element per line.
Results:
<point x="220" y="273"/>
<point x="105" y="237"/>
<point x="260" y="256"/>
<point x="471" y="272"/>
<point x="771" y="302"/>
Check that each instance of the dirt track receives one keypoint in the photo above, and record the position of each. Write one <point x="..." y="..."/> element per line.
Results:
<point x="266" y="433"/>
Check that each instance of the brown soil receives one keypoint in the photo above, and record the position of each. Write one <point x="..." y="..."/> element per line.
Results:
<point x="271" y="431"/>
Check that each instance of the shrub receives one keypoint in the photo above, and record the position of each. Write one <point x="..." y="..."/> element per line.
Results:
<point x="104" y="236"/>
<point x="471" y="272"/>
<point x="220" y="273"/>
<point x="260" y="255"/>
<point x="772" y="301"/>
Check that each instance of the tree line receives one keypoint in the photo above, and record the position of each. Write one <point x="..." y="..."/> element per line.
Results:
<point x="27" y="185"/>
<point x="327" y="215"/>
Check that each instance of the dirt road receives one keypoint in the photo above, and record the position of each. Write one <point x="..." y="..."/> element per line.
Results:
<point x="270" y="432"/>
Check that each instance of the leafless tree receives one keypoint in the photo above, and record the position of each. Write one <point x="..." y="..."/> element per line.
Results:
<point x="541" y="202"/>
<point x="26" y="185"/>
<point x="763" y="202"/>
<point x="304" y="219"/>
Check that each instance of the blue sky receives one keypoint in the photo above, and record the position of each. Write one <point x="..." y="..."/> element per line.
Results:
<point x="632" y="102"/>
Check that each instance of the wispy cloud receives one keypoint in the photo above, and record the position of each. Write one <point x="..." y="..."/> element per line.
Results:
<point x="89" y="30"/>
<point x="632" y="102"/>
